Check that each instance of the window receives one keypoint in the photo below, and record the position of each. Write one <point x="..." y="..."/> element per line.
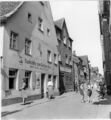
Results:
<point x="70" y="44"/>
<point x="42" y="3"/>
<point x="28" y="47"/>
<point x="30" y="17"/>
<point x="13" y="40"/>
<point x="40" y="24"/>
<point x="58" y="36"/>
<point x="49" y="56"/>
<point x="55" y="59"/>
<point x="70" y="62"/>
<point x="49" y="77"/>
<point x="12" y="78"/>
<point x="64" y="40"/>
<point x="66" y="59"/>
<point x="27" y="78"/>
<point x="59" y="57"/>
<point x="48" y="31"/>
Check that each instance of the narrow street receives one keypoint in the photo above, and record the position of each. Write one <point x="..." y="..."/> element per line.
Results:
<point x="67" y="106"/>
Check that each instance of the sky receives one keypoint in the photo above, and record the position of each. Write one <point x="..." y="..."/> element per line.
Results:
<point x="82" y="21"/>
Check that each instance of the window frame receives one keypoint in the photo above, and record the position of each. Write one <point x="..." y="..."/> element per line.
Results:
<point x="28" y="47"/>
<point x="14" y="76"/>
<point x="27" y="78"/>
<point x="14" y="39"/>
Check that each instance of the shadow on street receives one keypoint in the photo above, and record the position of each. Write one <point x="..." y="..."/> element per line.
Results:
<point x="106" y="101"/>
<point x="8" y="112"/>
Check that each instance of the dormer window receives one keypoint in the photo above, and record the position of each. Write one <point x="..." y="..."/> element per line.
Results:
<point x="29" y="17"/>
<point x="70" y="44"/>
<point x="42" y="3"/>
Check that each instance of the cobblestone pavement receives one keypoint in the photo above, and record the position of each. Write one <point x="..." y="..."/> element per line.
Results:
<point x="66" y="106"/>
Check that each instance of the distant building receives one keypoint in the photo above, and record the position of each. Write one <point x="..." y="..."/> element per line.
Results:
<point x="94" y="74"/>
<point x="65" y="56"/>
<point x="105" y="35"/>
<point x="28" y="49"/>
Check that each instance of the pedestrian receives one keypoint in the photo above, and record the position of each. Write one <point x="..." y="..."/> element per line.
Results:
<point x="82" y="91"/>
<point x="89" y="93"/>
<point x="24" y="94"/>
<point x="50" y="90"/>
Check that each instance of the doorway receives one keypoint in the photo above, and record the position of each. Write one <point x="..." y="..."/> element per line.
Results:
<point x="42" y="85"/>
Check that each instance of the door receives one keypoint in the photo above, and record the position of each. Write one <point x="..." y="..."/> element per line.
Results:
<point x="42" y="84"/>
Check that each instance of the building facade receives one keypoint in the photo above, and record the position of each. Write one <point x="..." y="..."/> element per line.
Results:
<point x="105" y="35"/>
<point x="75" y="69"/>
<point x="29" y="50"/>
<point x="65" y="56"/>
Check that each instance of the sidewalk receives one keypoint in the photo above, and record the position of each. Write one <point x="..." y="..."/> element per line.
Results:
<point x="5" y="110"/>
<point x="104" y="108"/>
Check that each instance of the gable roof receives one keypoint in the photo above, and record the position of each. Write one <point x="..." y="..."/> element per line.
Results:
<point x="59" y="23"/>
<point x="84" y="60"/>
<point x="76" y="59"/>
<point x="8" y="8"/>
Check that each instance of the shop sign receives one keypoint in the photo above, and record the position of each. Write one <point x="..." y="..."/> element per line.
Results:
<point x="37" y="65"/>
<point x="65" y="69"/>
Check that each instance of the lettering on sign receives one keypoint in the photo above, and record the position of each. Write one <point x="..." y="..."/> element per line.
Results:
<point x="36" y="65"/>
<point x="65" y="69"/>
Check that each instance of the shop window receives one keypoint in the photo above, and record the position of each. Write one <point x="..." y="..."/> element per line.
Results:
<point x="28" y="47"/>
<point x="12" y="78"/>
<point x="49" y="59"/>
<point x="55" y="59"/>
<point x="40" y="24"/>
<point x="13" y="40"/>
<point x="54" y="81"/>
<point x="27" y="78"/>
<point x="49" y="77"/>
<point x="29" y="17"/>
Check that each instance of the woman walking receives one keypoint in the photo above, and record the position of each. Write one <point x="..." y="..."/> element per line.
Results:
<point x="82" y="92"/>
